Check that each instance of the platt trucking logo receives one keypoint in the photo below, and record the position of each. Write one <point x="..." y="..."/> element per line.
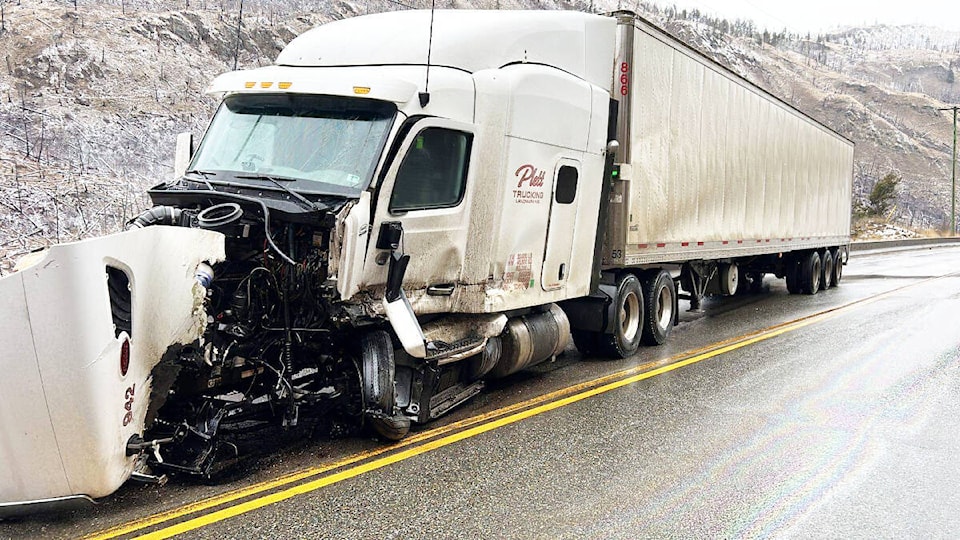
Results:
<point x="529" y="184"/>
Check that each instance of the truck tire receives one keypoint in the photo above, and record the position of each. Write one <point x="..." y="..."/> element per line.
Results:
<point x="729" y="278"/>
<point x="826" y="270"/>
<point x="810" y="271"/>
<point x="378" y="372"/>
<point x="627" y="320"/>
<point x="837" y="267"/>
<point x="660" y="295"/>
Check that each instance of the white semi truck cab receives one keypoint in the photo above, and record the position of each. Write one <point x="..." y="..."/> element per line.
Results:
<point x="408" y="204"/>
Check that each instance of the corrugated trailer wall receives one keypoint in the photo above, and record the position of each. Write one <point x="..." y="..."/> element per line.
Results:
<point x="714" y="166"/>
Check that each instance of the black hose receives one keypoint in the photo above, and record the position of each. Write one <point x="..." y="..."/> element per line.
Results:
<point x="263" y="206"/>
<point x="158" y="215"/>
<point x="287" y="288"/>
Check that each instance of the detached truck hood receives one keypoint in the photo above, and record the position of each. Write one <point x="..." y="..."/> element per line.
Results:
<point x="81" y="329"/>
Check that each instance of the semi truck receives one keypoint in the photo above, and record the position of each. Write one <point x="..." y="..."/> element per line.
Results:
<point x="404" y="206"/>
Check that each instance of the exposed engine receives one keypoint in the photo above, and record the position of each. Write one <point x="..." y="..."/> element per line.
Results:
<point x="283" y="356"/>
<point x="274" y="353"/>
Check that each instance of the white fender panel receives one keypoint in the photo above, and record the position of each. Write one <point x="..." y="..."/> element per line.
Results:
<point x="64" y="420"/>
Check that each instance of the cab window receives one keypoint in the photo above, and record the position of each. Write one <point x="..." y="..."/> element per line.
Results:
<point x="433" y="174"/>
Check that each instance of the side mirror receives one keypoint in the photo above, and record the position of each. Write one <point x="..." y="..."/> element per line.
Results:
<point x="183" y="155"/>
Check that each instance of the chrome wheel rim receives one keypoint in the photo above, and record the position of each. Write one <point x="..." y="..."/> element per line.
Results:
<point x="665" y="308"/>
<point x="630" y="316"/>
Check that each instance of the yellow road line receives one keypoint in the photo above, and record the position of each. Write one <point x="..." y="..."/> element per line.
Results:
<point x="293" y="477"/>
<point x="555" y="400"/>
<point x="220" y="515"/>
<point x="240" y="493"/>
<point x="290" y="478"/>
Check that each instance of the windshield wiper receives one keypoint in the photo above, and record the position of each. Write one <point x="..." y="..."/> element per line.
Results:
<point x="204" y="175"/>
<point x="309" y="205"/>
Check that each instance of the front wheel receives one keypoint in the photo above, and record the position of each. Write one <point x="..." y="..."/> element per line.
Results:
<point x="379" y="372"/>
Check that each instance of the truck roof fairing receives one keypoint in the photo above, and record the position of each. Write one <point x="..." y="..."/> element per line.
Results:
<point x="469" y="40"/>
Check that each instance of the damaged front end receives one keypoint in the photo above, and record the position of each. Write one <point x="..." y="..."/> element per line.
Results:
<point x="276" y="360"/>
<point x="83" y="328"/>
<point x="207" y="332"/>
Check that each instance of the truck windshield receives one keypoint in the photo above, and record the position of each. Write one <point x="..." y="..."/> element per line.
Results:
<point x="325" y="144"/>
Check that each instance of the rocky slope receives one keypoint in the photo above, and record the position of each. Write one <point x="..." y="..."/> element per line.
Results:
<point x="92" y="94"/>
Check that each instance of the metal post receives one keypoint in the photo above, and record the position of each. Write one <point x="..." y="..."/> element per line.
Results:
<point x="953" y="177"/>
<point x="953" y="173"/>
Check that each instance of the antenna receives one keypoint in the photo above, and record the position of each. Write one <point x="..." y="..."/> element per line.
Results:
<point x="425" y="95"/>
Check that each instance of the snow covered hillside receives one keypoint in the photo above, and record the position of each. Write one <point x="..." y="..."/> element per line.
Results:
<point x="93" y="92"/>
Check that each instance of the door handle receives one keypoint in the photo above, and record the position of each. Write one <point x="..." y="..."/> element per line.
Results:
<point x="445" y="289"/>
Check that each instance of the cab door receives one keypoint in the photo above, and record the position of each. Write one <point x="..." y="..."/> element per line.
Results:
<point x="562" y="225"/>
<point x="426" y="191"/>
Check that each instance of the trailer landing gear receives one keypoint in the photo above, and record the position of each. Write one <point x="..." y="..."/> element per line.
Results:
<point x="695" y="276"/>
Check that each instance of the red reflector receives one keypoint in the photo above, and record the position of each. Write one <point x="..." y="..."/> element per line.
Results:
<point x="124" y="357"/>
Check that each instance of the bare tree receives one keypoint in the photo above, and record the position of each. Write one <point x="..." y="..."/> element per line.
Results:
<point x="236" y="54"/>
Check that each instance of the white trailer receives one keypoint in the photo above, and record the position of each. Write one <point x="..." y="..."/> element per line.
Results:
<point x="717" y="182"/>
<point x="403" y="207"/>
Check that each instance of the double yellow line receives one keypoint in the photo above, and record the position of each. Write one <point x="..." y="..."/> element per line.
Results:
<point x="433" y="439"/>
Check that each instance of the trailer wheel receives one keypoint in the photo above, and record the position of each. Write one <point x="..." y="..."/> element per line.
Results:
<point x="810" y="271"/>
<point x="661" y="300"/>
<point x="627" y="320"/>
<point x="379" y="371"/>
<point x="837" y="267"/>
<point x="826" y="270"/>
<point x="729" y="278"/>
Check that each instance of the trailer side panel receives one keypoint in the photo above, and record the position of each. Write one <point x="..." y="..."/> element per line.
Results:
<point x="714" y="166"/>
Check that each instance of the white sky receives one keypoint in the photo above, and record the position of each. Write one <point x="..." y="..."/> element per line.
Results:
<point x="820" y="15"/>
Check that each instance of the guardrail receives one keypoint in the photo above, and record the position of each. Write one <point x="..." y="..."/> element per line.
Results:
<point x="906" y="243"/>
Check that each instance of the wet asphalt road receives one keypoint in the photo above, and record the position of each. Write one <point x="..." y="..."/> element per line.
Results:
<point x="848" y="427"/>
